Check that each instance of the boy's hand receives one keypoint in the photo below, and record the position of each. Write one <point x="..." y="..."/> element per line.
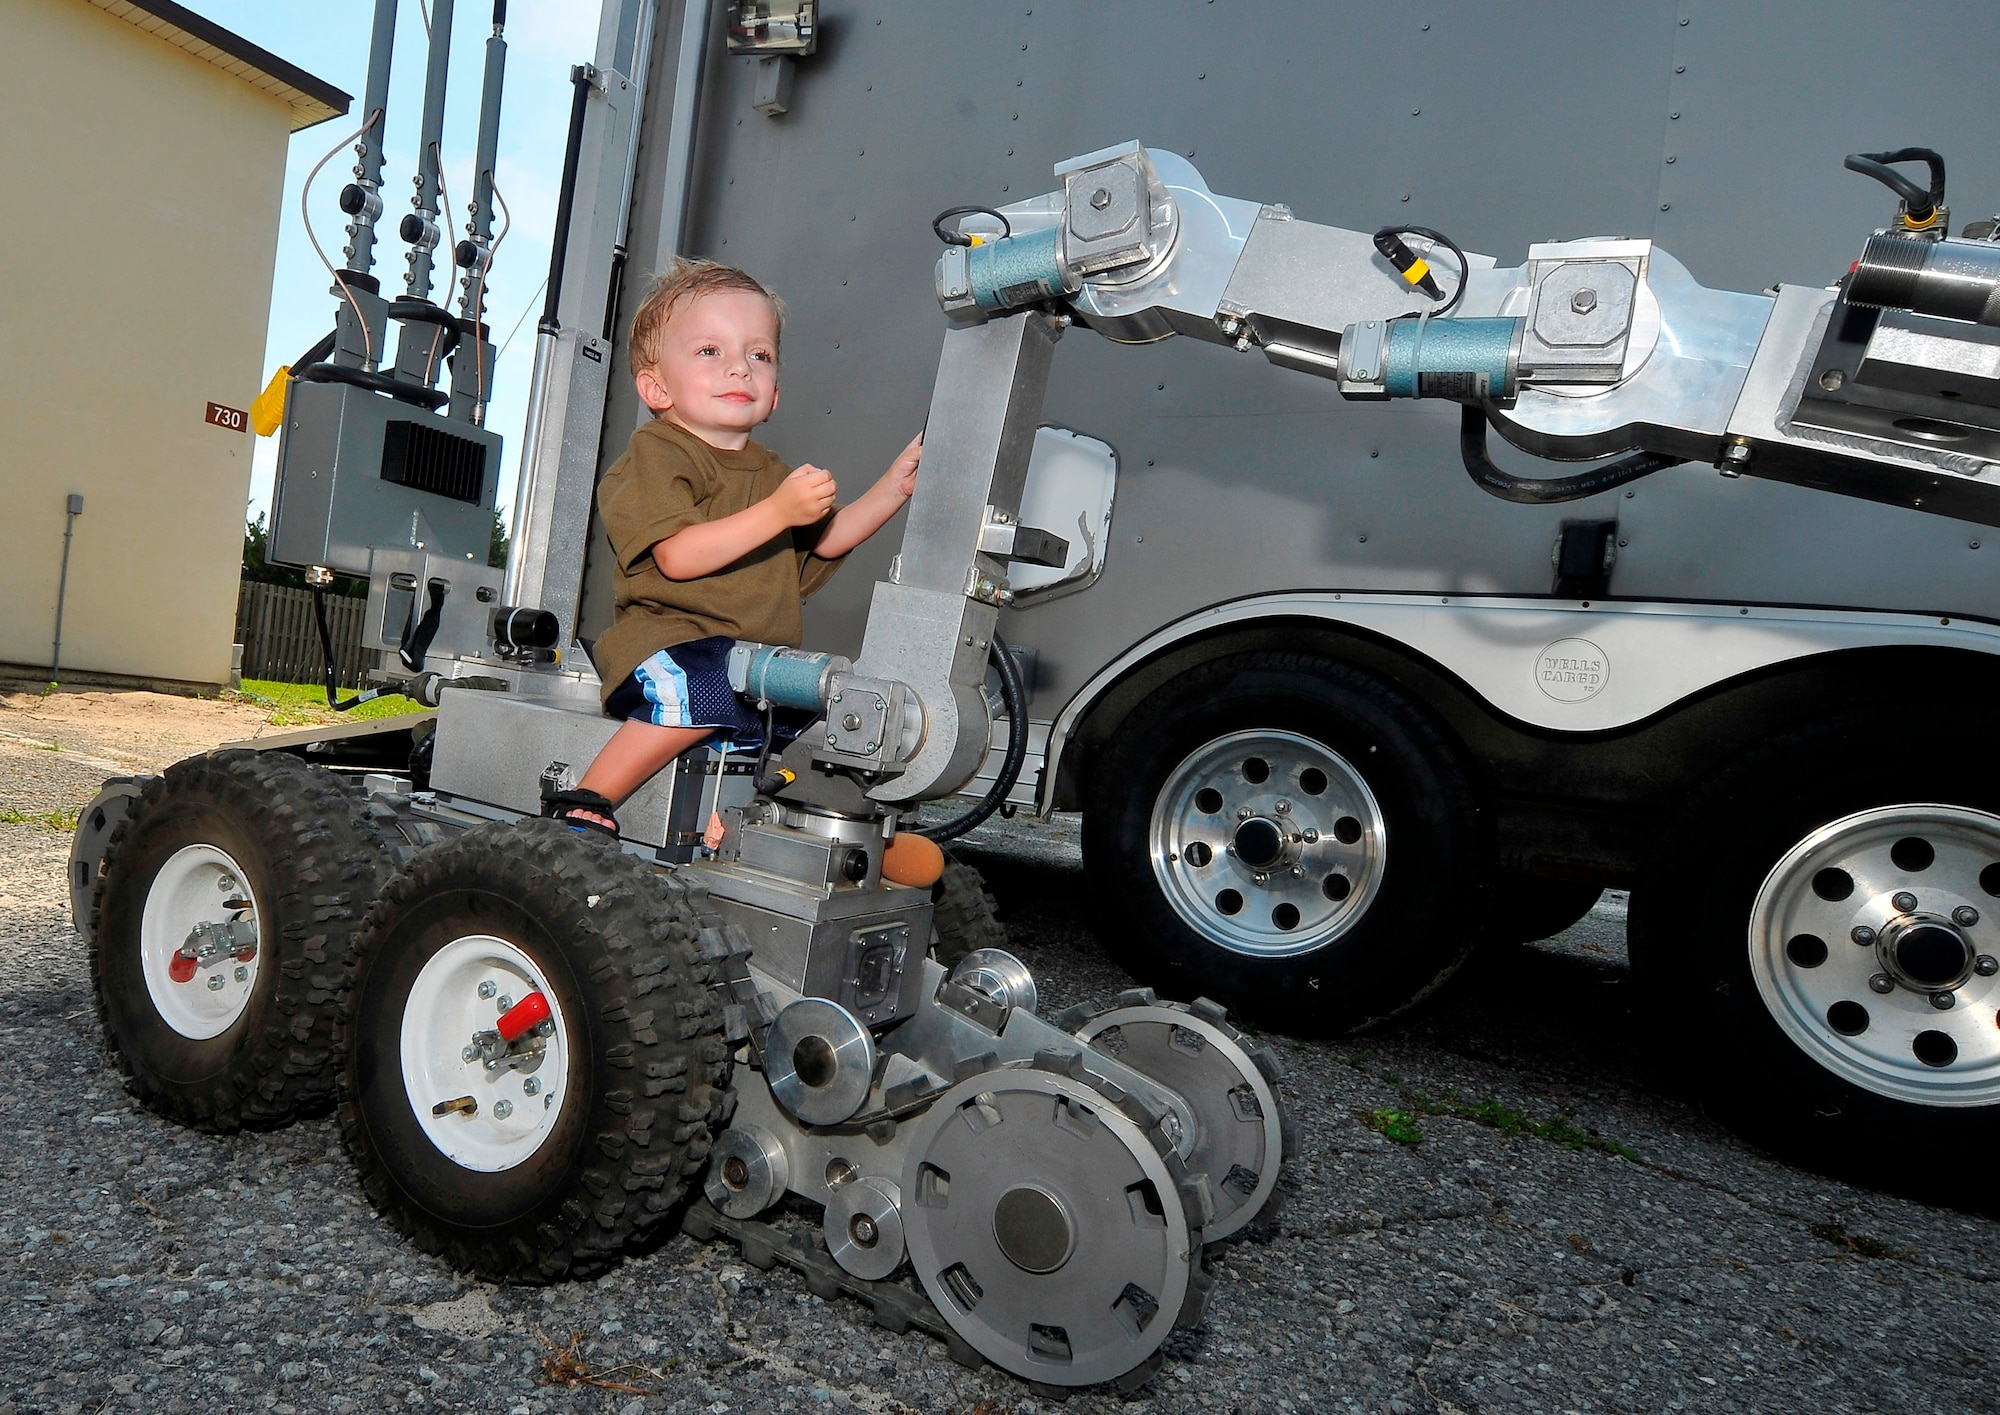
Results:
<point x="903" y="471"/>
<point x="806" y="497"/>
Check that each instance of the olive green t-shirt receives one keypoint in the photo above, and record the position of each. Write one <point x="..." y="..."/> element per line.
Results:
<point x="668" y="480"/>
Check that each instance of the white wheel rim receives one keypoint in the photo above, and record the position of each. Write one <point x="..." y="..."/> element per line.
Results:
<point x="190" y="889"/>
<point x="1306" y="796"/>
<point x="516" y="1109"/>
<point x="1895" y="1043"/>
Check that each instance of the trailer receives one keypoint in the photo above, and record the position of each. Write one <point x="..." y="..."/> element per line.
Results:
<point x="1338" y="694"/>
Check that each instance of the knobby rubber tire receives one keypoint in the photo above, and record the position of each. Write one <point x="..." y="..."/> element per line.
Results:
<point x="316" y="860"/>
<point x="1423" y="921"/>
<point x="619" y="944"/>
<point x="1688" y="941"/>
<point x="964" y="913"/>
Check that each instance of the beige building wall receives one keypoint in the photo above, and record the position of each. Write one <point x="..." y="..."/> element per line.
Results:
<point x="137" y="243"/>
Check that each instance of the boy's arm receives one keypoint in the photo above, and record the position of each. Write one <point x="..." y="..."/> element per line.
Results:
<point x="860" y="519"/>
<point x="802" y="499"/>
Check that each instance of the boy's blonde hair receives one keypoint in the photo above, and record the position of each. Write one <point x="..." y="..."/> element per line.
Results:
<point x="686" y="279"/>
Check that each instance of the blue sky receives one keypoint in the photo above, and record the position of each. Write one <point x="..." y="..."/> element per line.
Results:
<point x="329" y="38"/>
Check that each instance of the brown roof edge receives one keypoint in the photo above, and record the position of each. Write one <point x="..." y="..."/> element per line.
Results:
<point x="313" y="100"/>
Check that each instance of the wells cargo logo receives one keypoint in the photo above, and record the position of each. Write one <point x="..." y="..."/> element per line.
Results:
<point x="1572" y="670"/>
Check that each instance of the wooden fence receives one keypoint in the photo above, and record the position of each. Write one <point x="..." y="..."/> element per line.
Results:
<point x="274" y="623"/>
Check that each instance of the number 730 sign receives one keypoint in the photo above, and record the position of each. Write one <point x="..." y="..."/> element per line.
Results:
<point x="235" y="419"/>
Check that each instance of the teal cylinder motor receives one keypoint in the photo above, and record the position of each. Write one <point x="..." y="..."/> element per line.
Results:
<point x="1018" y="270"/>
<point x="1452" y="358"/>
<point x="784" y="677"/>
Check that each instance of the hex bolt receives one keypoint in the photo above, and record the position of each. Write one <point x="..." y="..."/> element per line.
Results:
<point x="215" y="982"/>
<point x="1965" y="916"/>
<point x="1311" y="837"/>
<point x="1862" y="935"/>
<point x="1283" y="808"/>
<point x="1100" y="198"/>
<point x="1298" y="871"/>
<point x="486" y="989"/>
<point x="504" y="1003"/>
<point x="852" y="722"/>
<point x="242" y="974"/>
<point x="1986" y="965"/>
<point x="1904" y="901"/>
<point x="1243" y="813"/>
<point x="502" y="1109"/>
<point x="1942" y="1001"/>
<point x="1583" y="301"/>
<point x="532" y="1086"/>
<point x="863" y="1229"/>
<point x="1882" y="983"/>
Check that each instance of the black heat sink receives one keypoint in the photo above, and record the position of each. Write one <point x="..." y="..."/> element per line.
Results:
<point x="423" y="458"/>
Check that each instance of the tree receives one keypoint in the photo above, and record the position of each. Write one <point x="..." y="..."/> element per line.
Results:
<point x="496" y="547"/>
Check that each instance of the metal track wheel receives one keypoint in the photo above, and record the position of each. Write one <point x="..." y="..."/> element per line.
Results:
<point x="1058" y="1234"/>
<point x="1241" y="1135"/>
<point x="534" y="1054"/>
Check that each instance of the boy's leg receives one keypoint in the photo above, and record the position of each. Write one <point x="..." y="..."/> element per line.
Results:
<point x="633" y="755"/>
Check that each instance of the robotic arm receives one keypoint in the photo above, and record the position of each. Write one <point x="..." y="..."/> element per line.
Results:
<point x="1886" y="387"/>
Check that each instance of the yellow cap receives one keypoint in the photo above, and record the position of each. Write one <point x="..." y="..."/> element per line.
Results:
<point x="267" y="411"/>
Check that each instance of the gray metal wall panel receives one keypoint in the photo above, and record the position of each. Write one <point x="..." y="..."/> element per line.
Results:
<point x="1503" y="124"/>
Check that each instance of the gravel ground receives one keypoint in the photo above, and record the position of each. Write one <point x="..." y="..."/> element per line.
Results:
<point x="1564" y="1234"/>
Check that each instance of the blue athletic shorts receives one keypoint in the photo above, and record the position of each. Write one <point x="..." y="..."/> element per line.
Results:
<point x="688" y="686"/>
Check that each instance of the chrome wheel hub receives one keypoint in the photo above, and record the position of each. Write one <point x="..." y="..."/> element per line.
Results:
<point x="1267" y="842"/>
<point x="1871" y="946"/>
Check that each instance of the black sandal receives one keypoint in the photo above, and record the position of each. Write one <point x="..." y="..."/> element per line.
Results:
<point x="561" y="805"/>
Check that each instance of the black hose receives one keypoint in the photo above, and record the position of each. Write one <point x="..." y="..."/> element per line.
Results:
<point x="959" y="238"/>
<point x="1015" y="694"/>
<point x="1920" y="204"/>
<point x="326" y="652"/>
<point x="424" y="312"/>
<point x="319" y="351"/>
<point x="432" y="398"/>
<point x="1439" y="238"/>
<point x="1544" y="491"/>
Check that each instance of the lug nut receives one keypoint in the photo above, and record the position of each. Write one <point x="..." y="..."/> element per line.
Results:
<point x="502" y="1109"/>
<point x="242" y="975"/>
<point x="1904" y="901"/>
<point x="1986" y="965"/>
<point x="1882" y="983"/>
<point x="486" y="989"/>
<point x="532" y="1086"/>
<point x="1965" y="916"/>
<point x="215" y="982"/>
<point x="1942" y="1001"/>
<point x="1862" y="935"/>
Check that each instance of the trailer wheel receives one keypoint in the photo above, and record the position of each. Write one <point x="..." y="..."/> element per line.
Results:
<point x="1824" y="915"/>
<point x="234" y="848"/>
<point x="1526" y="909"/>
<point x="553" y="1156"/>
<point x="1289" y="835"/>
<point x="964" y="915"/>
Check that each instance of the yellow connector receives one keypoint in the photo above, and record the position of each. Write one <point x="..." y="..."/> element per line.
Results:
<point x="267" y="411"/>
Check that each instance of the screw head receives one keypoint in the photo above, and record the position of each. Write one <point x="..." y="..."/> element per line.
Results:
<point x="1311" y="837"/>
<point x="1101" y="198"/>
<point x="1583" y="301"/>
<point x="486" y="989"/>
<point x="225" y="883"/>
<point x="1243" y="813"/>
<point x="1986" y="965"/>
<point x="1904" y="901"/>
<point x="532" y="1086"/>
<point x="1942" y="1001"/>
<point x="1171" y="1123"/>
<point x="1284" y="808"/>
<point x="863" y="1229"/>
<point x="1862" y="935"/>
<point x="1965" y="916"/>
<point x="1298" y="871"/>
<point x="242" y="975"/>
<point x="215" y="982"/>
<point x="502" y="1109"/>
<point x="504" y="1002"/>
<point x="548" y="1100"/>
<point x="1882" y="983"/>
<point x="852" y="722"/>
<point x="468" y="1053"/>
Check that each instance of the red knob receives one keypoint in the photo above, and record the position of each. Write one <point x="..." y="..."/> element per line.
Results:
<point x="515" y="1023"/>
<point x="180" y="967"/>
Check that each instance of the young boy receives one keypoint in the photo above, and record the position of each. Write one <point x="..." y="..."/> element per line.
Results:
<point x="715" y="539"/>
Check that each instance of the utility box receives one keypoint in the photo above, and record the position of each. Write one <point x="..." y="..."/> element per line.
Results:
<point x="145" y="152"/>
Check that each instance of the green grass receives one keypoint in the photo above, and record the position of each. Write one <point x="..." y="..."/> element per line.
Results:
<point x="47" y="820"/>
<point x="1397" y="1125"/>
<point x="304" y="704"/>
<point x="1557" y="1130"/>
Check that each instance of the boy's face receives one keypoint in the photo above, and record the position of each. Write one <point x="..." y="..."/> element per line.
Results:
<point x="715" y="367"/>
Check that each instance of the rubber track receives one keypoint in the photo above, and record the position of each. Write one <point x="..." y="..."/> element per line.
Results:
<point x="664" y="1037"/>
<point x="339" y="859"/>
<point x="964" y="913"/>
